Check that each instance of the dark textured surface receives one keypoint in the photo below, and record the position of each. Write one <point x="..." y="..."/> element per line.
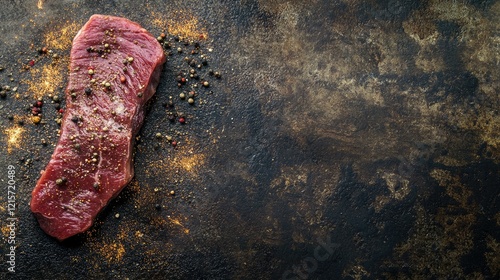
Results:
<point x="369" y="125"/>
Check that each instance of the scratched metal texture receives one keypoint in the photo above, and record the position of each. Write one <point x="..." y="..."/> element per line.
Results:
<point x="345" y="140"/>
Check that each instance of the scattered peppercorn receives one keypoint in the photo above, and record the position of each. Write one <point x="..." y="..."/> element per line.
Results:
<point x="35" y="111"/>
<point x="88" y="91"/>
<point x="206" y="84"/>
<point x="158" y="135"/>
<point x="171" y="117"/>
<point x="182" y="95"/>
<point x="191" y="101"/>
<point x="123" y="79"/>
<point x="61" y="181"/>
<point x="91" y="71"/>
<point x="182" y="120"/>
<point x="74" y="119"/>
<point x="36" y="119"/>
<point x="96" y="186"/>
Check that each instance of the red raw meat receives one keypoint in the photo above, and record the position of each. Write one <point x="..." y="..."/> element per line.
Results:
<point x="115" y="68"/>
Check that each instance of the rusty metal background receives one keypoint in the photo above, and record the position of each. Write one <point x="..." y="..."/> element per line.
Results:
<point x="344" y="140"/>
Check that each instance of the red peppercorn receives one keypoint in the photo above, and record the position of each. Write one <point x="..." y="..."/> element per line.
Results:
<point x="183" y="80"/>
<point x="31" y="63"/>
<point x="174" y="143"/>
<point x="123" y="79"/>
<point x="182" y="120"/>
<point x="61" y="111"/>
<point x="39" y="103"/>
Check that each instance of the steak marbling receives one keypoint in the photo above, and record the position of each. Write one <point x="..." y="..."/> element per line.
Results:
<point x="115" y="68"/>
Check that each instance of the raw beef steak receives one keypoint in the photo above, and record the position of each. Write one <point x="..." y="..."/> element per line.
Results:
<point x="115" y="68"/>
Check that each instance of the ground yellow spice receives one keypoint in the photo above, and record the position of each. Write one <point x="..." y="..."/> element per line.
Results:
<point x="112" y="252"/>
<point x="14" y="137"/>
<point x="62" y="38"/>
<point x="181" y="23"/>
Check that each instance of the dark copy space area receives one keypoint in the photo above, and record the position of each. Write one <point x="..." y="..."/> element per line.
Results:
<point x="333" y="140"/>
